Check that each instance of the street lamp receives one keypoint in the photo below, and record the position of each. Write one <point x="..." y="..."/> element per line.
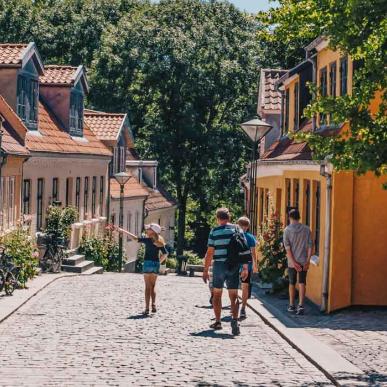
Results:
<point x="122" y="178"/>
<point x="255" y="130"/>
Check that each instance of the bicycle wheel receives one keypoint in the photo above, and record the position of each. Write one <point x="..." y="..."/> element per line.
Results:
<point x="2" y="280"/>
<point x="10" y="284"/>
<point x="57" y="260"/>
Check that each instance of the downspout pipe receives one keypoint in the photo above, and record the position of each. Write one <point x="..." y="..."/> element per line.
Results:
<point x="312" y="59"/>
<point x="327" y="242"/>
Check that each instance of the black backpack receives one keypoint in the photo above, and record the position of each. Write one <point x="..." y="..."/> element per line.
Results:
<point x="238" y="250"/>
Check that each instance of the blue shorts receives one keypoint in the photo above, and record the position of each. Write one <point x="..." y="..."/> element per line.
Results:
<point x="223" y="273"/>
<point x="151" y="267"/>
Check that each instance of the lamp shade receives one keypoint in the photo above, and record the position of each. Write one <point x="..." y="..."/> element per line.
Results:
<point x="256" y="129"/>
<point x="122" y="178"/>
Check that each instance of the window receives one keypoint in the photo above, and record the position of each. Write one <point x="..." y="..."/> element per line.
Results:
<point x="11" y="201"/>
<point x="307" y="202"/>
<point x="267" y="203"/>
<point x="287" y="97"/>
<point x="137" y="223"/>
<point x="93" y="195"/>
<point x="129" y="225"/>
<point x="317" y="218"/>
<point x="39" y="204"/>
<point x="140" y="175"/>
<point x="288" y="199"/>
<point x="113" y="218"/>
<point x="154" y="178"/>
<point x="343" y="76"/>
<point x="78" y="194"/>
<point x="26" y="197"/>
<point x="86" y="197"/>
<point x="101" y="195"/>
<point x="69" y="186"/>
<point x="296" y="107"/>
<point x="261" y="205"/>
<point x="122" y="159"/>
<point x="27" y="100"/>
<point x="76" y="113"/>
<point x="296" y="192"/>
<point x="332" y="79"/>
<point x="55" y="194"/>
<point x="323" y="91"/>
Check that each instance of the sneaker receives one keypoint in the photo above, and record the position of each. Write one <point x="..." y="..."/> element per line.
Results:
<point x="235" y="327"/>
<point x="216" y="326"/>
<point x="242" y="315"/>
<point x="300" y="310"/>
<point x="291" y="309"/>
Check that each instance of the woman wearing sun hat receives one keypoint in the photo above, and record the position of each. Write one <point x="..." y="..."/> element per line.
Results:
<point x="155" y="253"/>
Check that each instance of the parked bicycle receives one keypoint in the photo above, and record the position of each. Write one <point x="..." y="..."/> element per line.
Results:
<point x="54" y="254"/>
<point x="9" y="274"/>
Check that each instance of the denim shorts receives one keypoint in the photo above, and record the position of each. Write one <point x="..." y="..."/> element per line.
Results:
<point x="223" y="273"/>
<point x="151" y="267"/>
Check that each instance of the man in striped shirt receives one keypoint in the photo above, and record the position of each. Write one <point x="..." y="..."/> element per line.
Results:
<point x="217" y="253"/>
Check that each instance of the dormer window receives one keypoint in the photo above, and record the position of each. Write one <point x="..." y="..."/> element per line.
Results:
<point x="76" y="113"/>
<point x="27" y="100"/>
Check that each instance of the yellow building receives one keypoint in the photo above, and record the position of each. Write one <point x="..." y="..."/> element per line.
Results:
<point x="346" y="213"/>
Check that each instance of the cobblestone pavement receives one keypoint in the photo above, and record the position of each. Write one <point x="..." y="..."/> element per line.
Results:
<point x="358" y="335"/>
<point x="87" y="331"/>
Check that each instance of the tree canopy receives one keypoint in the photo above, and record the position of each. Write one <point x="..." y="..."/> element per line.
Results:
<point x="358" y="28"/>
<point x="187" y="71"/>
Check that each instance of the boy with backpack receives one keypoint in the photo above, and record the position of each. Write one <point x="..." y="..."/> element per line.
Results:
<point x="225" y="251"/>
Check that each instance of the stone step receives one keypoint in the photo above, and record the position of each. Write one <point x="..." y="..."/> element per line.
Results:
<point x="80" y="268"/>
<point x="74" y="260"/>
<point x="93" y="270"/>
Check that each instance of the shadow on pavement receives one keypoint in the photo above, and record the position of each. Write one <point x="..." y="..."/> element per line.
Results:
<point x="212" y="334"/>
<point x="140" y="316"/>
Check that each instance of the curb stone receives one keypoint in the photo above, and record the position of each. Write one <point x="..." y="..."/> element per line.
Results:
<point x="337" y="369"/>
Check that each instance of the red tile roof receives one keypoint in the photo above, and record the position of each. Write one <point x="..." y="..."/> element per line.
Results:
<point x="287" y="149"/>
<point x="14" y="131"/>
<point x="158" y="199"/>
<point x="269" y="97"/>
<point x="106" y="126"/>
<point x="132" y="189"/>
<point x="58" y="75"/>
<point x="11" y="53"/>
<point x="52" y="138"/>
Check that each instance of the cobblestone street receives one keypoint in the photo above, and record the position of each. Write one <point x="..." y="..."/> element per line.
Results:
<point x="87" y="331"/>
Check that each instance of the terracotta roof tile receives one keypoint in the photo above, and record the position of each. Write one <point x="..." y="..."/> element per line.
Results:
<point x="58" y="75"/>
<point x="158" y="199"/>
<point x="106" y="126"/>
<point x="132" y="189"/>
<point x="11" y="54"/>
<point x="269" y="96"/>
<point x="287" y="149"/>
<point x="52" y="138"/>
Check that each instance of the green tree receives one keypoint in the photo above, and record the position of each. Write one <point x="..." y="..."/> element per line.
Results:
<point x="187" y="71"/>
<point x="357" y="28"/>
<point x="65" y="31"/>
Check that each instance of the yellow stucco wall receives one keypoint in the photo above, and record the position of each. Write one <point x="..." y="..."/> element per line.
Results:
<point x="276" y="183"/>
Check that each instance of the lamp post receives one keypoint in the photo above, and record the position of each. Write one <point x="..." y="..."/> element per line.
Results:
<point x="255" y="130"/>
<point x="122" y="178"/>
<point x="2" y="155"/>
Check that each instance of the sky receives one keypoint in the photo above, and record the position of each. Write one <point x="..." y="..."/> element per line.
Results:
<point x="253" y="5"/>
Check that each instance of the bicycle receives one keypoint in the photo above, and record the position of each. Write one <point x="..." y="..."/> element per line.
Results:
<point x="54" y="254"/>
<point x="9" y="274"/>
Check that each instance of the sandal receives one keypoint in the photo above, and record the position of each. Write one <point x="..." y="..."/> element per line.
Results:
<point x="154" y="310"/>
<point x="145" y="312"/>
<point x="216" y="326"/>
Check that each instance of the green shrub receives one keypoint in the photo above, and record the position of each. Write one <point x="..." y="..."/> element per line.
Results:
<point x="192" y="258"/>
<point x="19" y="245"/>
<point x="171" y="263"/>
<point x="102" y="251"/>
<point x="59" y="221"/>
<point x="140" y="259"/>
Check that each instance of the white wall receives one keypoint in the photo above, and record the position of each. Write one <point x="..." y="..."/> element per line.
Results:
<point x="166" y="218"/>
<point x="133" y="222"/>
<point x="62" y="167"/>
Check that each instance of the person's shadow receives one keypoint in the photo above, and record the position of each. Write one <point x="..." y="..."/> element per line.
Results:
<point x="140" y="316"/>
<point x="212" y="334"/>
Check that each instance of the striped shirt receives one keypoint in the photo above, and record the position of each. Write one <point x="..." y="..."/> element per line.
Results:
<point x="219" y="239"/>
